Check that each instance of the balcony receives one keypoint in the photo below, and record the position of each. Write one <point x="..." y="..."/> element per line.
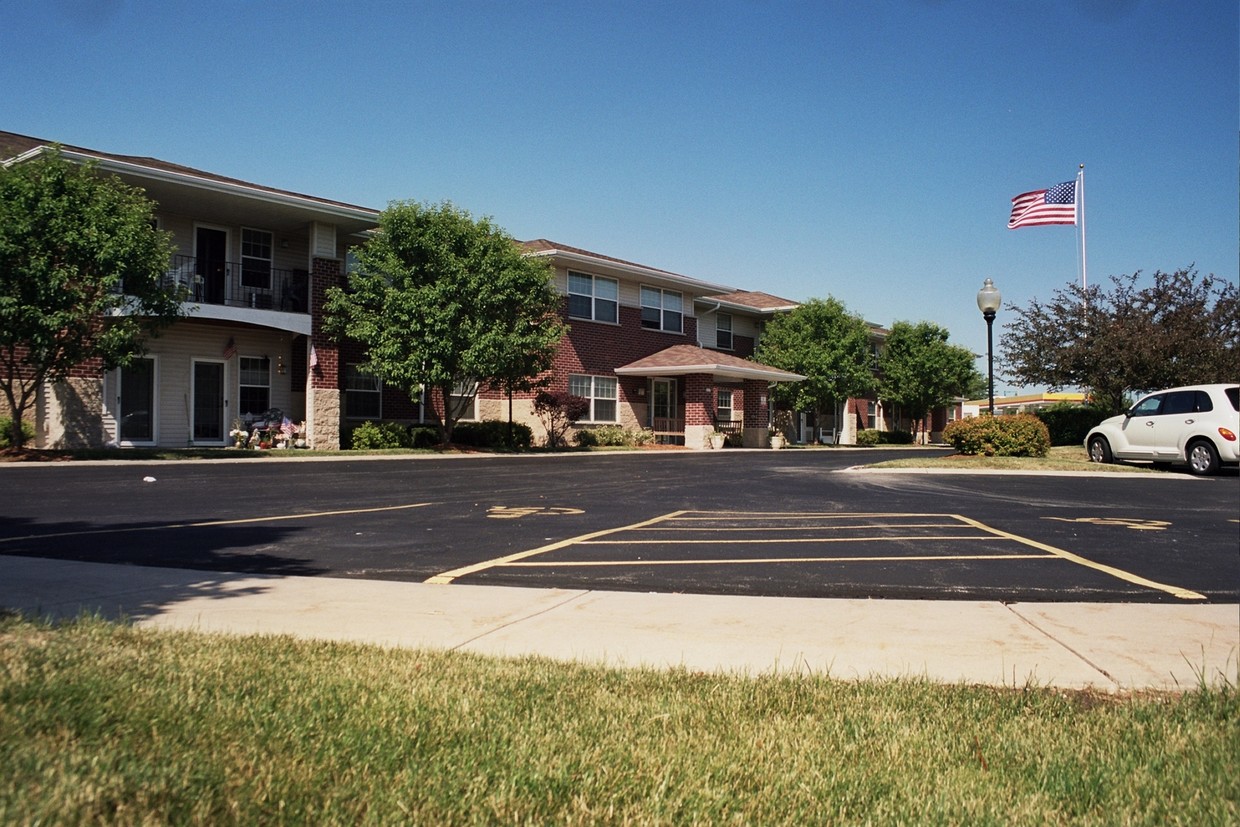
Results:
<point x="249" y="284"/>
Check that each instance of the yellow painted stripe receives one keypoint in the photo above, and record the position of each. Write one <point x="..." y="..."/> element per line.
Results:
<point x="449" y="576"/>
<point x="858" y="526"/>
<point x="209" y="523"/>
<point x="739" y="561"/>
<point x="777" y="541"/>
<point x="784" y="515"/>
<point x="1183" y="594"/>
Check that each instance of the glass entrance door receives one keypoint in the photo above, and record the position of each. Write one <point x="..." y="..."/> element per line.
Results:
<point x="136" y="416"/>
<point x="208" y="404"/>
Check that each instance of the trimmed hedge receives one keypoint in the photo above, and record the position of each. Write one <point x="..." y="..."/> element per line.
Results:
<point x="1068" y="424"/>
<point x="6" y="425"/>
<point x="370" y="436"/>
<point x="871" y="436"/>
<point x="493" y="433"/>
<point x="1023" y="435"/>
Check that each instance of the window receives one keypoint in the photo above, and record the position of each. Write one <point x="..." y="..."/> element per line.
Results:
<point x="602" y="393"/>
<point x="256" y="259"/>
<point x="723" y="331"/>
<point x="723" y="405"/>
<point x="255" y="386"/>
<point x="464" y="401"/>
<point x="661" y="310"/>
<point x="363" y="397"/>
<point x="593" y="297"/>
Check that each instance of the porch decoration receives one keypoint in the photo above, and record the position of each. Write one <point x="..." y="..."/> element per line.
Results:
<point x="777" y="440"/>
<point x="717" y="439"/>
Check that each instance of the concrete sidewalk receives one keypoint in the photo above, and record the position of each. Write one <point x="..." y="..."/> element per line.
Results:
<point x="1113" y="647"/>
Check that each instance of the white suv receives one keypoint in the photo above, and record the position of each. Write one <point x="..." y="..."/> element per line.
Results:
<point x="1197" y="425"/>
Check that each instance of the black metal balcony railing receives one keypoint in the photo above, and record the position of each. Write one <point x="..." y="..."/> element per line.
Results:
<point x="233" y="284"/>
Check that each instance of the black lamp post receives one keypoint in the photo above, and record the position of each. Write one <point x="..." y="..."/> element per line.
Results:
<point x="988" y="300"/>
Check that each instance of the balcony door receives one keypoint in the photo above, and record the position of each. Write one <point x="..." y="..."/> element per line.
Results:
<point x="211" y="252"/>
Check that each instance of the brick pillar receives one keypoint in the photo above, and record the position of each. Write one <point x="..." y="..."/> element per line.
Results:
<point x="323" y="395"/>
<point x="699" y="405"/>
<point x="756" y="399"/>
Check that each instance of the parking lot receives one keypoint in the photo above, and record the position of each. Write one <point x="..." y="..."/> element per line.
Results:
<point x="792" y="523"/>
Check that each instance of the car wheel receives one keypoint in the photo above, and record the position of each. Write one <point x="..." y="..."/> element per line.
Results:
<point x="1202" y="458"/>
<point x="1099" y="450"/>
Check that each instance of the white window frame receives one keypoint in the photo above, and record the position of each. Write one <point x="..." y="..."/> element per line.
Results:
<point x="578" y="382"/>
<point x="242" y="384"/>
<point x="468" y="388"/>
<point x="354" y="381"/>
<point x="596" y="301"/>
<point x="721" y="330"/>
<point x="648" y="294"/>
<point x="267" y="262"/>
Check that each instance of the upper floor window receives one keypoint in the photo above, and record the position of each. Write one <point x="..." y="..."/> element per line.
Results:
<point x="723" y="331"/>
<point x="593" y="297"/>
<point x="661" y="310"/>
<point x="256" y="258"/>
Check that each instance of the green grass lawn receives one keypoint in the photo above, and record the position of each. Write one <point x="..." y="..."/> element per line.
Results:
<point x="104" y="723"/>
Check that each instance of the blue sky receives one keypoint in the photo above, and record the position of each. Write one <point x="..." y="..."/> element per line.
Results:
<point x="863" y="150"/>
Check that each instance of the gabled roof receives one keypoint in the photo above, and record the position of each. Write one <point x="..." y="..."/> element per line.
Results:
<point x="155" y="176"/>
<point x="680" y="360"/>
<point x="615" y="266"/>
<point x="752" y="300"/>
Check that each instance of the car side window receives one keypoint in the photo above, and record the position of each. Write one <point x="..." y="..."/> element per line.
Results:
<point x="1148" y="406"/>
<point x="1204" y="403"/>
<point x="1180" y="402"/>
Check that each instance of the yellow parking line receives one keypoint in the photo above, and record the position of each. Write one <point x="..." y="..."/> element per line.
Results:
<point x="1183" y="594"/>
<point x="742" y="561"/>
<point x="211" y="523"/>
<point x="858" y="526"/>
<point x="449" y="576"/>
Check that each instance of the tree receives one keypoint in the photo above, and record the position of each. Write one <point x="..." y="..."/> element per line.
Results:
<point x="920" y="371"/>
<point x="1180" y="329"/>
<point x="445" y="302"/>
<point x="558" y="410"/>
<point x="826" y="344"/>
<point x="81" y="275"/>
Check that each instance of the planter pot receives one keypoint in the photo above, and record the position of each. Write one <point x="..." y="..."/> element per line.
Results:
<point x="717" y="440"/>
<point x="777" y="442"/>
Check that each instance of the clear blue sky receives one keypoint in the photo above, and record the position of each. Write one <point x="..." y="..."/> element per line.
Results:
<point x="864" y="150"/>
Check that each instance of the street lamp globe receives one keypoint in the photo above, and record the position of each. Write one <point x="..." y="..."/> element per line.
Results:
<point x="989" y="298"/>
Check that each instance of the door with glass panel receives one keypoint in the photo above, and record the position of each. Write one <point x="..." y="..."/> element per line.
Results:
<point x="208" y="402"/>
<point x="136" y="404"/>
<point x="666" y="425"/>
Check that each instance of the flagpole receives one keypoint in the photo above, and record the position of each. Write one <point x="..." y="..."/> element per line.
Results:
<point x="1080" y="205"/>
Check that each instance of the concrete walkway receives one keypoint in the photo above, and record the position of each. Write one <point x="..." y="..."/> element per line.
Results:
<point x="1112" y="647"/>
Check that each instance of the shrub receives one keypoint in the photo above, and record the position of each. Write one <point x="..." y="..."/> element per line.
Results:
<point x="370" y="436"/>
<point x="6" y="425"/>
<point x="1023" y="435"/>
<point x="867" y="437"/>
<point x="558" y="410"/>
<point x="612" y="435"/>
<point x="493" y="434"/>
<point x="423" y="436"/>
<point x="1068" y="424"/>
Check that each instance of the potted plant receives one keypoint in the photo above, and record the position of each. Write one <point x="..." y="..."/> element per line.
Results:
<point x="777" y="440"/>
<point x="717" y="439"/>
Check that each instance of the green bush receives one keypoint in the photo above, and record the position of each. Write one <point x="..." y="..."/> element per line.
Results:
<point x="493" y="434"/>
<point x="6" y="425"/>
<point x="871" y="436"/>
<point x="423" y="436"/>
<point x="1023" y="435"/>
<point x="370" y="436"/>
<point x="1068" y="424"/>
<point x="612" y="436"/>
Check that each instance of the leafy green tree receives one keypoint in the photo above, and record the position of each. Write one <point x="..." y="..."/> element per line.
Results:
<point x="81" y="276"/>
<point x="1179" y="329"/>
<point x="920" y="371"/>
<point x="827" y="345"/>
<point x="446" y="302"/>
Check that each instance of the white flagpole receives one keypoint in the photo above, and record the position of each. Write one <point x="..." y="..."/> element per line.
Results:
<point x="1080" y="207"/>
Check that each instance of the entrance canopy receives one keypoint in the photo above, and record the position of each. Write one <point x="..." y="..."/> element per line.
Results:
<point x="682" y="360"/>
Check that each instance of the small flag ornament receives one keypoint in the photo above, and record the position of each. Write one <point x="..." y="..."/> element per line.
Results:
<point x="230" y="349"/>
<point x="1056" y="205"/>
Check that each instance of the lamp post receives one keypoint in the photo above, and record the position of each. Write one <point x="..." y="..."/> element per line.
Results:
<point x="988" y="300"/>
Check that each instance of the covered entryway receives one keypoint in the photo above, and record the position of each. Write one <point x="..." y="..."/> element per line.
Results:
<point x="718" y="393"/>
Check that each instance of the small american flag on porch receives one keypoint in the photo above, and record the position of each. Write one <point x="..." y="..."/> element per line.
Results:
<point x="230" y="349"/>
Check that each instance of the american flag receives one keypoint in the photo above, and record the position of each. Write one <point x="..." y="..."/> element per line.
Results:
<point x="230" y="349"/>
<point x="287" y="427"/>
<point x="1056" y="205"/>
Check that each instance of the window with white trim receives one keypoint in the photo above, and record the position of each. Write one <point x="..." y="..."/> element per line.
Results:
<point x="256" y="248"/>
<point x="661" y="310"/>
<point x="602" y="391"/>
<point x="254" y="386"/>
<point x="363" y="394"/>
<point x="463" y="403"/>
<point x="723" y="331"/>
<point x="593" y="297"/>
<point x="723" y="405"/>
